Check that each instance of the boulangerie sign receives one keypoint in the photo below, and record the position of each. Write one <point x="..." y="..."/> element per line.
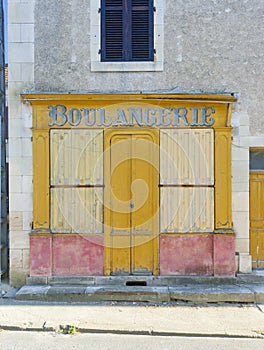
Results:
<point x="60" y="115"/>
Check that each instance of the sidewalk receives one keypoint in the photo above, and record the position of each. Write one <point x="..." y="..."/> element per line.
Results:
<point x="243" y="318"/>
<point x="242" y="289"/>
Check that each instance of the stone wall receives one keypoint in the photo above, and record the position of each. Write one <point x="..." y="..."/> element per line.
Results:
<point x="21" y="77"/>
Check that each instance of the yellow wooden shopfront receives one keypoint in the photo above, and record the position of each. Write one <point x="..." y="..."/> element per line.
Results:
<point x="131" y="184"/>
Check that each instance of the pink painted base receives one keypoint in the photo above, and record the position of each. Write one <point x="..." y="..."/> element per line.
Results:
<point x="78" y="255"/>
<point x="224" y="255"/>
<point x="197" y="255"/>
<point x="185" y="255"/>
<point x="40" y="255"/>
<point x="66" y="255"/>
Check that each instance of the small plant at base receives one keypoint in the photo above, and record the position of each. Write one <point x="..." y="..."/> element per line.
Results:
<point x="71" y="329"/>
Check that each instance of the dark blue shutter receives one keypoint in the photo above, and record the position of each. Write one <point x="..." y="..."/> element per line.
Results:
<point x="112" y="30"/>
<point x="142" y="41"/>
<point x="127" y="30"/>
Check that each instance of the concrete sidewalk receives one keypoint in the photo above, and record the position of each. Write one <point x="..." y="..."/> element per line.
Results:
<point x="161" y="289"/>
<point x="194" y="293"/>
<point x="140" y="309"/>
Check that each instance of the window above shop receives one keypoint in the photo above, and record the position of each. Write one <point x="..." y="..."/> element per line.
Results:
<point x="127" y="30"/>
<point x="126" y="35"/>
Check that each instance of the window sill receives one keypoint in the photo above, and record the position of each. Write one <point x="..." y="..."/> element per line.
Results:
<point x="97" y="66"/>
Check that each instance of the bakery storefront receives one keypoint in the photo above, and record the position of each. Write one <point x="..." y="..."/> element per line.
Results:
<point x="131" y="184"/>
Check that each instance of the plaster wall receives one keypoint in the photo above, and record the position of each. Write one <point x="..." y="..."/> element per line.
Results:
<point x="209" y="46"/>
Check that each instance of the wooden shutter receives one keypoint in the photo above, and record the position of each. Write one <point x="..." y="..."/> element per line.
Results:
<point x="191" y="157"/>
<point x="127" y="30"/>
<point x="142" y="31"/>
<point x="76" y="181"/>
<point x="112" y="30"/>
<point x="187" y="180"/>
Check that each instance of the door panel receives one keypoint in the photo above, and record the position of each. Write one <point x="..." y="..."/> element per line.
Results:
<point x="132" y="215"/>
<point x="257" y="218"/>
<point x="120" y="173"/>
<point x="144" y="182"/>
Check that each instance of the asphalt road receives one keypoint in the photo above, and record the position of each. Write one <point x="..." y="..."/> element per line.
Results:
<point x="21" y="340"/>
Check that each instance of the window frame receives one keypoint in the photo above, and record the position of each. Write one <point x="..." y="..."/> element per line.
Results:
<point x="126" y="66"/>
<point x="126" y="33"/>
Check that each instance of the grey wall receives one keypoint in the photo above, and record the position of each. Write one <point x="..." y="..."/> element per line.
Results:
<point x="209" y="46"/>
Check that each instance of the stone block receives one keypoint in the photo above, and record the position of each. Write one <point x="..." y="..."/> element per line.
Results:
<point x="17" y="277"/>
<point x="252" y="141"/>
<point x="27" y="72"/>
<point x="240" y="171"/>
<point x="27" y="184"/>
<point x="245" y="263"/>
<point x="16" y="259"/>
<point x="14" y="33"/>
<point x="240" y="186"/>
<point x="32" y="293"/>
<point x="21" y="202"/>
<point x="241" y="224"/>
<point x="21" y="52"/>
<point x="21" y="12"/>
<point x="26" y="259"/>
<point x="27" y="32"/>
<point x="17" y="128"/>
<point x="132" y="293"/>
<point x="74" y="280"/>
<point x="242" y="245"/>
<point x="26" y="145"/>
<point x="15" y="184"/>
<point x="19" y="239"/>
<point x="14" y="71"/>
<point x="240" y="201"/>
<point x="14" y="105"/>
<point x="15" y="221"/>
<point x="37" y="280"/>
<point x="240" y="153"/>
<point x="212" y="294"/>
<point x="15" y="147"/>
<point x="27" y="220"/>
<point x="19" y="166"/>
<point x="259" y="293"/>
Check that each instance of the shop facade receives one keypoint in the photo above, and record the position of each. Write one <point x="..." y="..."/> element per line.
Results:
<point x="136" y="184"/>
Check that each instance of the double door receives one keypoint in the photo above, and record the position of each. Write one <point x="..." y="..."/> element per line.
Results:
<point x="131" y="202"/>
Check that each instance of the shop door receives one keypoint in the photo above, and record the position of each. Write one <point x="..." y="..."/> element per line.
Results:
<point x="131" y="203"/>
<point x="257" y="218"/>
